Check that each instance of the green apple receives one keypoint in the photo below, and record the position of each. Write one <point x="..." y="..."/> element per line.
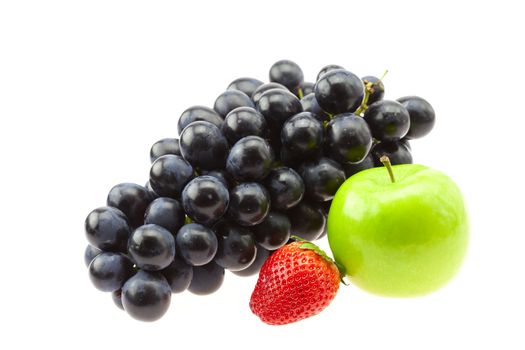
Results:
<point x="400" y="235"/>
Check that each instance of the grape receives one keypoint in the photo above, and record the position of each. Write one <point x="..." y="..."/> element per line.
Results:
<point x="90" y="253"/>
<point x="152" y="247"/>
<point x="302" y="134"/>
<point x="277" y="105"/>
<point x="254" y="268"/>
<point x="397" y="152"/>
<point x="108" y="271"/>
<point x="422" y="116"/>
<point x="199" y="113"/>
<point x="406" y="142"/>
<point x="165" y="212"/>
<point x="351" y="169"/>
<point x="339" y="91"/>
<point x="206" y="279"/>
<point x="348" y="138"/>
<point x="178" y="274"/>
<point x="150" y="190"/>
<point x="286" y="188"/>
<point x="287" y="73"/>
<point x="132" y="200"/>
<point x="310" y="104"/>
<point x="244" y="121"/>
<point x="256" y="95"/>
<point x="231" y="99"/>
<point x="236" y="249"/>
<point x="204" y="146"/>
<point x="107" y="229"/>
<point x="322" y="178"/>
<point x="378" y="89"/>
<point x="246" y="85"/>
<point x="273" y="232"/>
<point x="163" y="147"/>
<point x="249" y="203"/>
<point x="205" y="199"/>
<point x="250" y="159"/>
<point x="306" y="88"/>
<point x="388" y="120"/>
<point x="196" y="244"/>
<point x="220" y="175"/>
<point x="146" y="296"/>
<point x="327" y="69"/>
<point x="308" y="220"/>
<point x="117" y="298"/>
<point x="169" y="174"/>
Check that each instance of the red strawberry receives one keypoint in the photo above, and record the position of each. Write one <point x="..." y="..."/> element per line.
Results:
<point x="297" y="281"/>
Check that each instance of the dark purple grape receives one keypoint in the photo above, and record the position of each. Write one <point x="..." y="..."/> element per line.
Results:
<point x="169" y="174"/>
<point x="378" y="89"/>
<point x="236" y="250"/>
<point x="287" y="73"/>
<point x="117" y="298"/>
<point x="327" y="69"/>
<point x="196" y="244"/>
<point x="397" y="152"/>
<point x="152" y="193"/>
<point x="254" y="268"/>
<point x="222" y="176"/>
<point x="308" y="220"/>
<point x="132" y="200"/>
<point x="249" y="203"/>
<point x="205" y="199"/>
<point x="388" y="120"/>
<point x="422" y="116"/>
<point x="322" y="178"/>
<point x="250" y="159"/>
<point x="178" y="274"/>
<point x="348" y="138"/>
<point x="90" y="253"/>
<point x="351" y="169"/>
<point x="242" y="122"/>
<point x="199" y="113"/>
<point x="256" y="95"/>
<point x="302" y="134"/>
<point x="277" y="106"/>
<point x="146" y="296"/>
<point x="204" y="146"/>
<point x="206" y="279"/>
<point x="152" y="247"/>
<point x="286" y="188"/>
<point x="310" y="104"/>
<point x="107" y="229"/>
<point x="339" y="91"/>
<point x="163" y="147"/>
<point x="108" y="271"/>
<point x="165" y="212"/>
<point x="231" y="99"/>
<point x="246" y="85"/>
<point x="273" y="232"/>
<point x="306" y="88"/>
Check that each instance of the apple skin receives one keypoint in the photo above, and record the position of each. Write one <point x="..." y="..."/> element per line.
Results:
<point x="401" y="239"/>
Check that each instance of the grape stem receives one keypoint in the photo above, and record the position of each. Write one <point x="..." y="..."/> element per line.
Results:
<point x="369" y="89"/>
<point x="364" y="105"/>
<point x="300" y="93"/>
<point x="386" y="162"/>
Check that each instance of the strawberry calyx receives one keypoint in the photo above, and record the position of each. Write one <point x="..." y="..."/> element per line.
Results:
<point x="311" y="246"/>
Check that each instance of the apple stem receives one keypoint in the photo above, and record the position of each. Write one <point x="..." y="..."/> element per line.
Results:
<point x="386" y="162"/>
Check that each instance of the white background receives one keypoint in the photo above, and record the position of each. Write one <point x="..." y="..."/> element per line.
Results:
<point x="87" y="86"/>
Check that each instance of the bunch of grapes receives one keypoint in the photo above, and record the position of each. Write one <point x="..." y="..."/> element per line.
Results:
<point x="263" y="164"/>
